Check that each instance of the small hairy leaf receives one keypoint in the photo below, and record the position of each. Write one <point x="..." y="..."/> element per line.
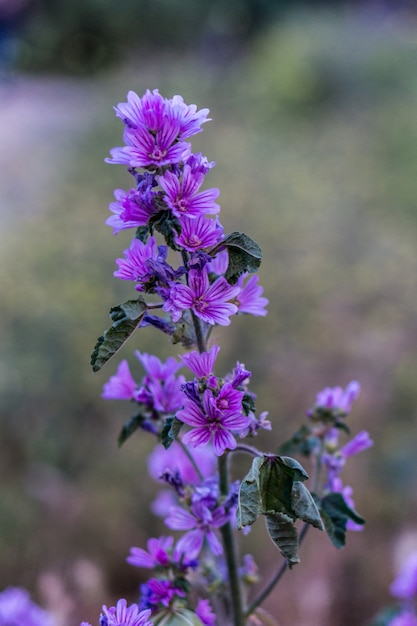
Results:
<point x="304" y="506"/>
<point x="245" y="255"/>
<point x="126" y="318"/>
<point x="249" y="502"/>
<point x="335" y="514"/>
<point x="130" y="427"/>
<point x="284" y="534"/>
<point x="170" y="431"/>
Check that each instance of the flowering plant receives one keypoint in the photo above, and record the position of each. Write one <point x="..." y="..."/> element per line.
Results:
<point x="190" y="276"/>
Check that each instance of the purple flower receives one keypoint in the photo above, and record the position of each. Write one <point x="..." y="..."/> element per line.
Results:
<point x="228" y="400"/>
<point x="205" y="612"/>
<point x="155" y="368"/>
<point x="210" y="302"/>
<point x="163" y="591"/>
<point x="135" y="264"/>
<point x="166" y="397"/>
<point x="122" y="615"/>
<point x="131" y="209"/>
<point x="219" y="264"/>
<point x="250" y="299"/>
<point x="148" y="111"/>
<point x="199" y="523"/>
<point x="152" y="110"/>
<point x="121" y="386"/>
<point x="151" y="149"/>
<point x="240" y="375"/>
<point x="175" y="459"/>
<point x="202" y="365"/>
<point x="210" y="424"/>
<point x="17" y="609"/>
<point x="249" y="571"/>
<point x="157" y="554"/>
<point x="199" y="163"/>
<point x="198" y="233"/>
<point x="360" y="442"/>
<point x="404" y="586"/>
<point x="182" y="195"/>
<point x="190" y="119"/>
<point x="337" y="399"/>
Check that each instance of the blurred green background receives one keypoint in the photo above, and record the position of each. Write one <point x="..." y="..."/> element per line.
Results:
<point x="315" y="137"/>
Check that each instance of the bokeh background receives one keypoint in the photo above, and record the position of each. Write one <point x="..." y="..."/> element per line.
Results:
<point x="314" y="132"/>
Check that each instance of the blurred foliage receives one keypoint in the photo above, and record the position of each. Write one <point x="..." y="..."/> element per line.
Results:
<point x="83" y="37"/>
<point x="315" y="136"/>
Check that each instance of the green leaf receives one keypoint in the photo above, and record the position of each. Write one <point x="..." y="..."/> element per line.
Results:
<point x="170" y="431"/>
<point x="249" y="501"/>
<point x="335" y="514"/>
<point x="274" y="486"/>
<point x="126" y="318"/>
<point x="245" y="255"/>
<point x="142" y="233"/>
<point x="130" y="427"/>
<point x="304" y="506"/>
<point x="284" y="534"/>
<point x="302" y="441"/>
<point x="167" y="224"/>
<point x="248" y="404"/>
<point x="292" y="467"/>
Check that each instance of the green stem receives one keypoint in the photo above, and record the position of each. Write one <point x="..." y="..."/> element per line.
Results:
<point x="242" y="447"/>
<point x="275" y="579"/>
<point x="201" y="344"/>
<point x="230" y="549"/>
<point x="228" y="536"/>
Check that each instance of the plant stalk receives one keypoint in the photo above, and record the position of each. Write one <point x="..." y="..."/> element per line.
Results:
<point x="230" y="549"/>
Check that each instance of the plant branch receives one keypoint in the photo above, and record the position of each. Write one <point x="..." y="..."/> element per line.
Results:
<point x="229" y="544"/>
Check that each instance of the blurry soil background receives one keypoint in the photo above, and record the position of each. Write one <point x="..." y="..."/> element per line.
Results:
<point x="314" y="133"/>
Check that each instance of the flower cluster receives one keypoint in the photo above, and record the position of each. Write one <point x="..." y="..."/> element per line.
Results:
<point x="167" y="197"/>
<point x="190" y="276"/>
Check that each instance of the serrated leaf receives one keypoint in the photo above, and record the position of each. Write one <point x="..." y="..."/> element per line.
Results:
<point x="245" y="255"/>
<point x="126" y="318"/>
<point x="284" y="534"/>
<point x="170" y="431"/>
<point x="249" y="500"/>
<point x="304" y="506"/>
<point x="336" y="514"/>
<point x="130" y="427"/>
